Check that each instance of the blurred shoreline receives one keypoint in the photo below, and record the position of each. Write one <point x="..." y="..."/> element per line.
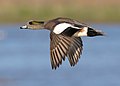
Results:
<point x="99" y="11"/>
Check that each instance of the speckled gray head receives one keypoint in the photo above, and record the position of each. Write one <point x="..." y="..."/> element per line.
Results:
<point x="34" y="25"/>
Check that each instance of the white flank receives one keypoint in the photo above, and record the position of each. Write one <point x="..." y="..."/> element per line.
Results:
<point x="83" y="32"/>
<point x="61" y="27"/>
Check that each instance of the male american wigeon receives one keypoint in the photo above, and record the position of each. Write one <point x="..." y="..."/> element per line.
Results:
<point x="65" y="38"/>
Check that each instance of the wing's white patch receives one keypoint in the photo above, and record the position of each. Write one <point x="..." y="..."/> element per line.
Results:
<point x="83" y="32"/>
<point x="61" y="27"/>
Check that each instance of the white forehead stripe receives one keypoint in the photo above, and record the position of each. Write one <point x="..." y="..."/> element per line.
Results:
<point x="61" y="27"/>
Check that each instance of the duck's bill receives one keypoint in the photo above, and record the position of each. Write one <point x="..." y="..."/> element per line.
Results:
<point x="24" y="27"/>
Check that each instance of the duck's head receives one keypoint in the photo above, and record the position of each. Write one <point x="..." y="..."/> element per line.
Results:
<point x="34" y="25"/>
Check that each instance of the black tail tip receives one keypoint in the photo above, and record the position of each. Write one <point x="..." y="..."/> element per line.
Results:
<point x="100" y="33"/>
<point x="92" y="32"/>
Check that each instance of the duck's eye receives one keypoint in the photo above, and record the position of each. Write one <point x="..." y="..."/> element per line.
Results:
<point x="30" y="23"/>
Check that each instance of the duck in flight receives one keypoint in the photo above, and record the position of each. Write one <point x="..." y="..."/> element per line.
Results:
<point x="65" y="38"/>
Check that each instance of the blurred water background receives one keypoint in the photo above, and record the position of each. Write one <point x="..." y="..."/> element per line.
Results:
<point x="24" y="59"/>
<point x="24" y="54"/>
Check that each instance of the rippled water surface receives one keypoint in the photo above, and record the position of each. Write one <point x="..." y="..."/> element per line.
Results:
<point x="24" y="59"/>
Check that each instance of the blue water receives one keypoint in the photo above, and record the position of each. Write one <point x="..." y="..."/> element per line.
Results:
<point x="24" y="59"/>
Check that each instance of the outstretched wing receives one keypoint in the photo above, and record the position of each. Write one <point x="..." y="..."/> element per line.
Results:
<point x="59" y="46"/>
<point x="62" y="46"/>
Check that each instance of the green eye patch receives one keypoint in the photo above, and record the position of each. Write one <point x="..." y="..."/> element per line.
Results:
<point x="36" y="22"/>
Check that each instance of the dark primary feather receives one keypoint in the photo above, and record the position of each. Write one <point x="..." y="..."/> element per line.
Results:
<point x="62" y="46"/>
<point x="75" y="50"/>
<point x="59" y="46"/>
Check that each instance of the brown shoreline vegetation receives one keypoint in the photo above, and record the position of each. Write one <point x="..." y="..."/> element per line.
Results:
<point x="84" y="10"/>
